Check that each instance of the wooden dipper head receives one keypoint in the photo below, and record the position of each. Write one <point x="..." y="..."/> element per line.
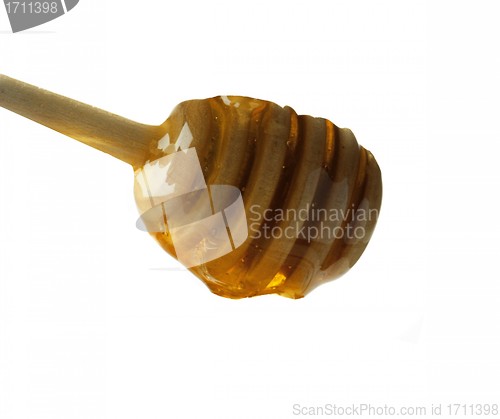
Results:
<point x="251" y="197"/>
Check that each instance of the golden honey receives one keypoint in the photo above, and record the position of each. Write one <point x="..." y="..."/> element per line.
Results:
<point x="251" y="197"/>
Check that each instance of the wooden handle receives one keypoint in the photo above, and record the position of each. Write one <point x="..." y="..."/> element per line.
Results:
<point x="124" y="139"/>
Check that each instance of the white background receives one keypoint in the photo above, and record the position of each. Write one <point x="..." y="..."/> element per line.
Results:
<point x="96" y="321"/>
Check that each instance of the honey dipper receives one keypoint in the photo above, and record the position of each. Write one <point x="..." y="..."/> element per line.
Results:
<point x="251" y="197"/>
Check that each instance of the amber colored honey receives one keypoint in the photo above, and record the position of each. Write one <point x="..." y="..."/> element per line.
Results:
<point x="311" y="194"/>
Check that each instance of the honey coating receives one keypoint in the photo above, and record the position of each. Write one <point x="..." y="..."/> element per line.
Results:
<point x="251" y="197"/>
<point x="296" y="175"/>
